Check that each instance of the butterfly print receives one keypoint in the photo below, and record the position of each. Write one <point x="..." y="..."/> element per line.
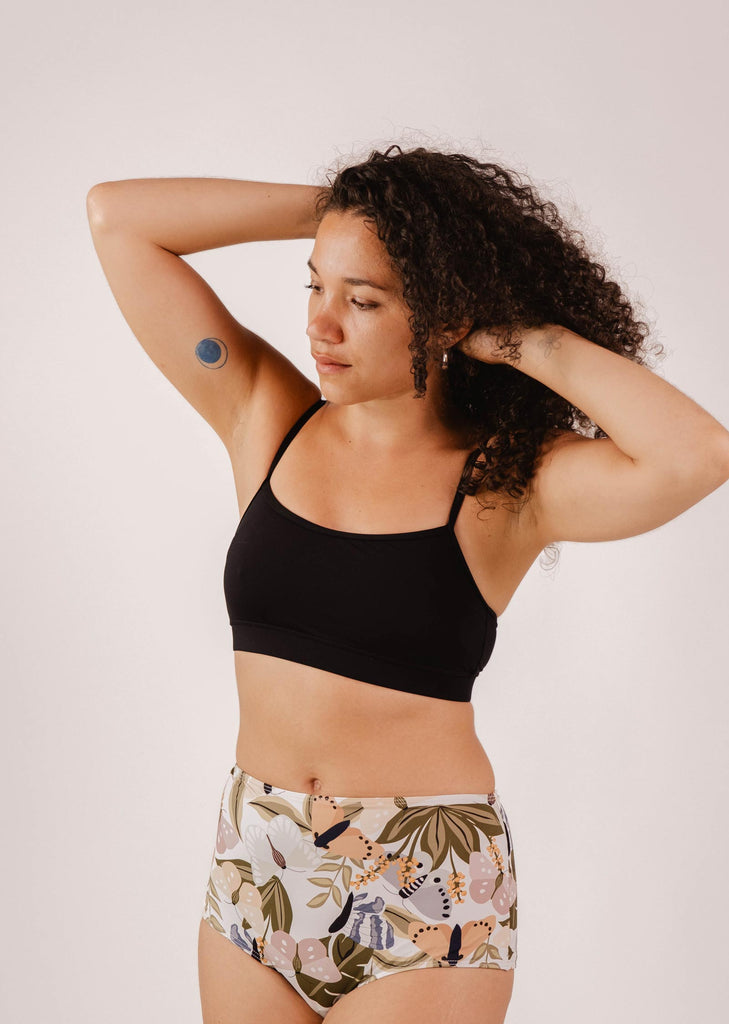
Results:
<point x="332" y="891"/>
<point x="449" y="945"/>
<point x="428" y="893"/>
<point x="282" y="948"/>
<point x="483" y="876"/>
<point x="332" y="831"/>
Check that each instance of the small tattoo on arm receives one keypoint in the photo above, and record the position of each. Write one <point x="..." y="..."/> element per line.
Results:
<point x="551" y="339"/>
<point x="212" y="353"/>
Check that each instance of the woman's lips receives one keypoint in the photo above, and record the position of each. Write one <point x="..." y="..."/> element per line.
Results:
<point x="324" y="366"/>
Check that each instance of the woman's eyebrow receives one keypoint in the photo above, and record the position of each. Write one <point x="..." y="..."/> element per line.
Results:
<point x="354" y="280"/>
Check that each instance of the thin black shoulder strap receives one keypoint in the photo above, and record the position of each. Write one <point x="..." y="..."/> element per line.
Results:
<point x="293" y="432"/>
<point x="458" y="499"/>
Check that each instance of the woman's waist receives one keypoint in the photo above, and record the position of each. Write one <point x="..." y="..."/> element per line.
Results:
<point x="296" y="688"/>
<point x="311" y="732"/>
<point x="333" y="767"/>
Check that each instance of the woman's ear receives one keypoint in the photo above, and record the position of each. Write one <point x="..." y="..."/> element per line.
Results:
<point x="453" y="337"/>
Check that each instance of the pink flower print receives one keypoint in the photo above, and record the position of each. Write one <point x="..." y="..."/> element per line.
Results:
<point x="483" y="877"/>
<point x="282" y="949"/>
<point x="227" y="880"/>
<point x="249" y="906"/>
<point x="227" y="836"/>
<point x="504" y="895"/>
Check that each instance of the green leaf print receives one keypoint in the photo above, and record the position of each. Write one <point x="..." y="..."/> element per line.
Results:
<point x="405" y="824"/>
<point x="448" y="831"/>
<point x="443" y="829"/>
<point x="349" y="956"/>
<point x="276" y="905"/>
<point x="274" y="805"/>
<point x="463" y="835"/>
<point x="213" y="904"/>
<point x="235" y="801"/>
<point x="351" y="959"/>
<point x="318" y="900"/>
<point x="478" y="953"/>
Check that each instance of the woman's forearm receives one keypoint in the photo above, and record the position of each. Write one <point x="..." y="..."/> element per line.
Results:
<point x="649" y="419"/>
<point x="185" y="215"/>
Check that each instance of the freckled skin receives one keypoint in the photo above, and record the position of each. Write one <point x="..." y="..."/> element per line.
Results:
<point x="212" y="353"/>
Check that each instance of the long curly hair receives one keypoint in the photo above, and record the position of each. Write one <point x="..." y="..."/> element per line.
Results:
<point x="472" y="241"/>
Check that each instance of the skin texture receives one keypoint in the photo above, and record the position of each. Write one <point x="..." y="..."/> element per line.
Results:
<point x="664" y="452"/>
<point x="375" y="395"/>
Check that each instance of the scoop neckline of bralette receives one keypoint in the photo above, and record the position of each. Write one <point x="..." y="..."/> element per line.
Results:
<point x="446" y="529"/>
<point x="428" y="531"/>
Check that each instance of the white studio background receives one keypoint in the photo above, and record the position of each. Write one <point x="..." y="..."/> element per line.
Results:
<point x="604" y="707"/>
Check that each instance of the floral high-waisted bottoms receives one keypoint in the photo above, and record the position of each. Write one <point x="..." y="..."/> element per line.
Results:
<point x="334" y="892"/>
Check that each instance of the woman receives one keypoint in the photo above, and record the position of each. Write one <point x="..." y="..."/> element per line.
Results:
<point x="361" y="838"/>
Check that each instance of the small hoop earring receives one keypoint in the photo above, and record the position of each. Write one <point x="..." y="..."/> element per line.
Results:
<point x="444" y="361"/>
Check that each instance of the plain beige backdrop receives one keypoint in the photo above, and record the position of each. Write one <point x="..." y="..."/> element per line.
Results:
<point x="604" y="707"/>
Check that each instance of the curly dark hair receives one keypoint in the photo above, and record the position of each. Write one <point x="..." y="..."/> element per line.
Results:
<point x="472" y="242"/>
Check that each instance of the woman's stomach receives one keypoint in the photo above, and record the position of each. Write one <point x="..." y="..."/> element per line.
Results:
<point x="312" y="731"/>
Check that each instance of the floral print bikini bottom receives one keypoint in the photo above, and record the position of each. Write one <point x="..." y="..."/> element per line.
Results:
<point x="334" y="892"/>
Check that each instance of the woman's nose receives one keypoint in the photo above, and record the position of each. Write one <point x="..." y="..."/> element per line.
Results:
<point x="324" y="325"/>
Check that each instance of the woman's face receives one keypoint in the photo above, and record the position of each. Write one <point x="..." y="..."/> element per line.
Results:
<point x="362" y="325"/>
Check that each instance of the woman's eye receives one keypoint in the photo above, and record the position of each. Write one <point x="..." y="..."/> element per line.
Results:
<point x="359" y="305"/>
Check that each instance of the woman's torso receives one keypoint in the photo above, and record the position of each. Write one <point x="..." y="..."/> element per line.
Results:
<point x="308" y="730"/>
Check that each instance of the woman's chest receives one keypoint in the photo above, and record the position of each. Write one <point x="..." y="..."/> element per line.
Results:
<point x="392" y="517"/>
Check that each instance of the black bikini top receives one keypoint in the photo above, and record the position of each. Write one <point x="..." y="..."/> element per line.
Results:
<point x="400" y="610"/>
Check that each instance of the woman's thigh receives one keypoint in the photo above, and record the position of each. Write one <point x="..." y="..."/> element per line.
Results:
<point x="430" y="996"/>
<point x="237" y="989"/>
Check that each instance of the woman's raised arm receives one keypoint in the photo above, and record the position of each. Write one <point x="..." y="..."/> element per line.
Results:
<point x="142" y="227"/>
<point x="663" y="452"/>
